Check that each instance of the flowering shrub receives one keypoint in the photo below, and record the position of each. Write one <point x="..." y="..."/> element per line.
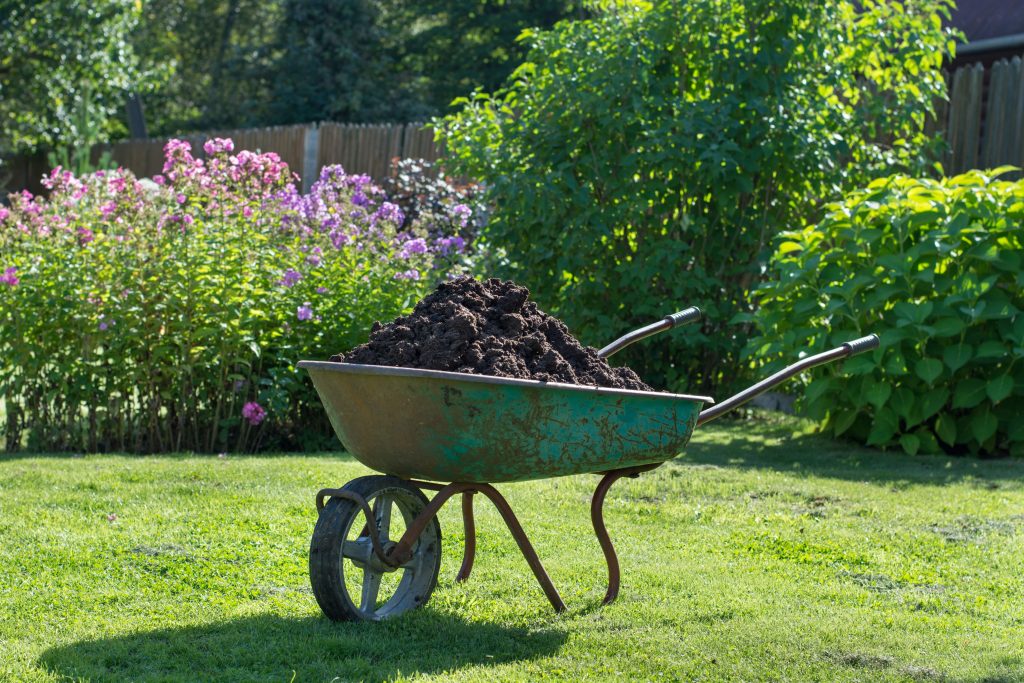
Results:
<point x="169" y="314"/>
<point x="447" y="210"/>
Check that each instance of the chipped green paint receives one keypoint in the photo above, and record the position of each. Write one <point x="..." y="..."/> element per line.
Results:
<point x="446" y="426"/>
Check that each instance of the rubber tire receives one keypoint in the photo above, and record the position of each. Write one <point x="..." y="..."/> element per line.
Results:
<point x="325" y="547"/>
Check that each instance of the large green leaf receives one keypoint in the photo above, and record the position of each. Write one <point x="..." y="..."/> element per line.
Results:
<point x="991" y="349"/>
<point x="948" y="327"/>
<point x="843" y="421"/>
<point x="932" y="402"/>
<point x="878" y="393"/>
<point x="883" y="428"/>
<point x="929" y="444"/>
<point x="968" y="393"/>
<point x="956" y="356"/>
<point x="999" y="388"/>
<point x="912" y="313"/>
<point x="910" y="443"/>
<point x="928" y="369"/>
<point x="983" y="424"/>
<point x="816" y="389"/>
<point x="945" y="427"/>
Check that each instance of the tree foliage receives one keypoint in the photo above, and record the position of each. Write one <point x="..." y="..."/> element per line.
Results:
<point x="337" y="63"/>
<point x="59" y="58"/>
<point x="644" y="159"/>
<point x="454" y="47"/>
<point x="934" y="267"/>
<point x="220" y="57"/>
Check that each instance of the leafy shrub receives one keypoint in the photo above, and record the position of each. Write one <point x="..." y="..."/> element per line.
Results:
<point x="440" y="205"/>
<point x="644" y="160"/>
<point x="168" y="315"/>
<point x="934" y="267"/>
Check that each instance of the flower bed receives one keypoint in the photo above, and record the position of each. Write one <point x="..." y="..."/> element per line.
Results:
<point x="168" y="314"/>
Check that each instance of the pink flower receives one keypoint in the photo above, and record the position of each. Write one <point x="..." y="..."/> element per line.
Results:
<point x="304" y="312"/>
<point x="10" y="277"/>
<point x="219" y="145"/>
<point x="253" y="412"/>
<point x="112" y="517"/>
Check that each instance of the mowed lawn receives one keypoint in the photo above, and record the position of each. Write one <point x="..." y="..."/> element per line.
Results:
<point x="760" y="554"/>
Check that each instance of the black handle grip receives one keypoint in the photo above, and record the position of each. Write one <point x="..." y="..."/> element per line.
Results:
<point x="684" y="317"/>
<point x="861" y="345"/>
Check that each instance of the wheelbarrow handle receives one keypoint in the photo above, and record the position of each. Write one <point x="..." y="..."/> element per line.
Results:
<point x="683" y="317"/>
<point x="845" y="350"/>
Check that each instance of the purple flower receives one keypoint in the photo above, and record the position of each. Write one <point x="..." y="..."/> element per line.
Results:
<point x="390" y="212"/>
<point x="321" y="290"/>
<point x="462" y="212"/>
<point x="291" y="277"/>
<point x="416" y="246"/>
<point x="253" y="412"/>
<point x="108" y="208"/>
<point x="85" y="235"/>
<point x="338" y="239"/>
<point x="447" y="245"/>
<point x="412" y="274"/>
<point x="10" y="277"/>
<point x="218" y="145"/>
<point x="304" y="312"/>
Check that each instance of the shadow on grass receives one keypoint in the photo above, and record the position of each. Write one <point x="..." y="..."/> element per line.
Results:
<point x="273" y="647"/>
<point x="765" y="444"/>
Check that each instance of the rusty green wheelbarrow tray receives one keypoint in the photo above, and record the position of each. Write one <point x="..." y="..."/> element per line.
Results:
<point x="455" y="433"/>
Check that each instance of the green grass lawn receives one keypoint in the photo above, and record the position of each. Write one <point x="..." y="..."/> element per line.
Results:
<point x="759" y="555"/>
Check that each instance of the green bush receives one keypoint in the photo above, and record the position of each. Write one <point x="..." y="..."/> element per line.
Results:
<point x="170" y="316"/>
<point x="935" y="269"/>
<point x="645" y="159"/>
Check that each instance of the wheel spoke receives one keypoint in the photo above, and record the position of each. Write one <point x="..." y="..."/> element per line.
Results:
<point x="371" y="586"/>
<point x="358" y="550"/>
<point x="382" y="511"/>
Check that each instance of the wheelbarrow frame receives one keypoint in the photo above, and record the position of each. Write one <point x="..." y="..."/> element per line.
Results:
<point x="395" y="554"/>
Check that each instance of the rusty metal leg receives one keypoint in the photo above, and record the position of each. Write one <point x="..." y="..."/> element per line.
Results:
<point x="597" y="518"/>
<point x="402" y="551"/>
<point x="470" y="526"/>
<point x="524" y="545"/>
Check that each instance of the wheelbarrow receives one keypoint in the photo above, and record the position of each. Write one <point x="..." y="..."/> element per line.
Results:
<point x="376" y="546"/>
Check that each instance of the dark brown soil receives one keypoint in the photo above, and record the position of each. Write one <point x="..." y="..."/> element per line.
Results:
<point x="488" y="328"/>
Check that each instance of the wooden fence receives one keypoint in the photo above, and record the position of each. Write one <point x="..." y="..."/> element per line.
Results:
<point x="983" y="123"/>
<point x="359" y="148"/>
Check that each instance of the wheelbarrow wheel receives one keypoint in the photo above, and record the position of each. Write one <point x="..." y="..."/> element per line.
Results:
<point x="350" y="582"/>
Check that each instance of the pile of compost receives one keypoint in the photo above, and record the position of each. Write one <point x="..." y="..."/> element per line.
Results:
<point x="488" y="328"/>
